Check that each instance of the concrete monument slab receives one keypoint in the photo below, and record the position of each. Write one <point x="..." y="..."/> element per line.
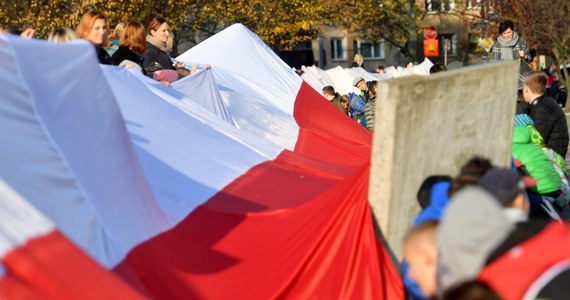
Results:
<point x="428" y="125"/>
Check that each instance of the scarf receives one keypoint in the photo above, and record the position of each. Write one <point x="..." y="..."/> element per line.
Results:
<point x="166" y="47"/>
<point x="506" y="49"/>
<point x="510" y="43"/>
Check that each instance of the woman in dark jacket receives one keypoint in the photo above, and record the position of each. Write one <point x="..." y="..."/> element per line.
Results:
<point x="131" y="47"/>
<point x="157" y="47"/>
<point x="509" y="45"/>
<point x="94" y="27"/>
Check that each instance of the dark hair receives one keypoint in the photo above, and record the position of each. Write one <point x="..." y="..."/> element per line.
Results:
<point x="470" y="174"/>
<point x="372" y="87"/>
<point x="329" y="90"/>
<point x="155" y="23"/>
<point x="471" y="290"/>
<point x="424" y="192"/>
<point x="380" y="67"/>
<point x="521" y="104"/>
<point x="506" y="25"/>
<point x="436" y="68"/>
<point x="14" y="30"/>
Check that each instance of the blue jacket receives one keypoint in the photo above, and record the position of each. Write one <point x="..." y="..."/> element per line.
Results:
<point x="433" y="212"/>
<point x="437" y="206"/>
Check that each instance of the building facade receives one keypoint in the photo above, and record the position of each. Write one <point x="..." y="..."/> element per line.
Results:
<point x="461" y="32"/>
<point x="331" y="49"/>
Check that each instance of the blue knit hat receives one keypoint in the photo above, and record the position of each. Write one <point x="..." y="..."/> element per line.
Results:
<point x="523" y="120"/>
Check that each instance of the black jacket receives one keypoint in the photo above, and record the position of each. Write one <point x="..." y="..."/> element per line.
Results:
<point x="154" y="54"/>
<point x="103" y="56"/>
<point x="125" y="53"/>
<point x="550" y="121"/>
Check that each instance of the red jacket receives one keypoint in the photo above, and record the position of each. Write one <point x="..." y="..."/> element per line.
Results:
<point x="513" y="273"/>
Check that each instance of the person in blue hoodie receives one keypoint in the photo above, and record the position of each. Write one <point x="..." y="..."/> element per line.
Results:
<point x="441" y="191"/>
<point x="432" y="197"/>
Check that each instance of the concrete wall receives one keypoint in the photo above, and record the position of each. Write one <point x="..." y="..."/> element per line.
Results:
<point x="433" y="125"/>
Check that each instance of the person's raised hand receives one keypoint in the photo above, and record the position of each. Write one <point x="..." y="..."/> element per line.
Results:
<point x="28" y="33"/>
<point x="180" y="64"/>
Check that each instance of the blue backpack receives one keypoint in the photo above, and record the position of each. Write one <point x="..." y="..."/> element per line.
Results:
<point x="356" y="105"/>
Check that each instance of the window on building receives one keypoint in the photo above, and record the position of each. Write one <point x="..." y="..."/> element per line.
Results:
<point x="337" y="50"/>
<point x="435" y="6"/>
<point x="450" y="40"/>
<point x="374" y="50"/>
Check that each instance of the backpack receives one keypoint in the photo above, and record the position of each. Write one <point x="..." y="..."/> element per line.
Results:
<point x="357" y="105"/>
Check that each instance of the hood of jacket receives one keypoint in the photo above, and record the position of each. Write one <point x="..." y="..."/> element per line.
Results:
<point x="472" y="227"/>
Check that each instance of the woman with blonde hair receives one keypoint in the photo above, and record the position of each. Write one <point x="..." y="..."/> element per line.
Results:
<point x="61" y="35"/>
<point x="116" y="37"/>
<point x="358" y="61"/>
<point x="132" y="47"/>
<point x="94" y="27"/>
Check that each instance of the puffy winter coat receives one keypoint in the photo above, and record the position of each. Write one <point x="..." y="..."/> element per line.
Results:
<point x="536" y="161"/>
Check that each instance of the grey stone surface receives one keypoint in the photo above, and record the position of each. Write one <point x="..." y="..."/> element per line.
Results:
<point x="433" y="125"/>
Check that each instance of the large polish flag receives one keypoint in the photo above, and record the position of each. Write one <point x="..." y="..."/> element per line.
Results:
<point x="238" y="182"/>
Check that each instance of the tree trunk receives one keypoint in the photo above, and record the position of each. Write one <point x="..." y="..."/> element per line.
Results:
<point x="412" y="45"/>
<point x="349" y="48"/>
<point x="566" y="84"/>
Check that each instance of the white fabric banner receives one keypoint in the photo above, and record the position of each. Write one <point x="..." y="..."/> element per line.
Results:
<point x="67" y="151"/>
<point x="114" y="158"/>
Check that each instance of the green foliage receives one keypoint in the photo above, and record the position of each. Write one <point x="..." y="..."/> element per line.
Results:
<point x="281" y="24"/>
<point x="44" y="16"/>
<point x="375" y="19"/>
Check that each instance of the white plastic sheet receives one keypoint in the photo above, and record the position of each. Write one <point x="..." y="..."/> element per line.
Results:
<point x="68" y="143"/>
<point x="246" y="68"/>
<point x="202" y="89"/>
<point x="66" y="149"/>
<point x="187" y="153"/>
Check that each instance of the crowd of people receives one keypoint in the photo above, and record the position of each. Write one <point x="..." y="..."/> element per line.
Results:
<point x="479" y="236"/>
<point x="461" y="253"/>
<point x="509" y="46"/>
<point x="491" y="232"/>
<point x="499" y="233"/>
<point x="131" y="45"/>
<point x="361" y="107"/>
<point x="486" y="233"/>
